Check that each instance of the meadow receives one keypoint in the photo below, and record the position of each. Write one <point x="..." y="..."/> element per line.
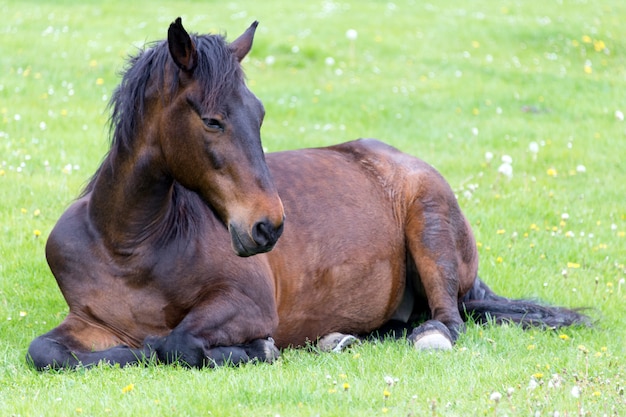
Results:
<point x="519" y="104"/>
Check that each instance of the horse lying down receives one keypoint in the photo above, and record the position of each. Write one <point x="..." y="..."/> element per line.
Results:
<point x="178" y="249"/>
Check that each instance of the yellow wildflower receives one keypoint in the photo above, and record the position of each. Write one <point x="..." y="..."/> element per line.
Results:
<point x="598" y="45"/>
<point x="128" y="388"/>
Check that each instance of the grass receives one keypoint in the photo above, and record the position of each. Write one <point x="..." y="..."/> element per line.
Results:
<point x="448" y="83"/>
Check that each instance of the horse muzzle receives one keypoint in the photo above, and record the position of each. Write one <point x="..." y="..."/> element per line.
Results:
<point x="260" y="239"/>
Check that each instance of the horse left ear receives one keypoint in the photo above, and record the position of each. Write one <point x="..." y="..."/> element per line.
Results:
<point x="242" y="45"/>
<point x="182" y="49"/>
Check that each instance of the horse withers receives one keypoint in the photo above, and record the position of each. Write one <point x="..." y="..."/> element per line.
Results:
<point x="175" y="251"/>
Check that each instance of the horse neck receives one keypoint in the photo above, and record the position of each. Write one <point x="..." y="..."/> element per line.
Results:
<point x="131" y="197"/>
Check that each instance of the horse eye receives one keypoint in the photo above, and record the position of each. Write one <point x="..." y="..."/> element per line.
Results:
<point x="213" y="124"/>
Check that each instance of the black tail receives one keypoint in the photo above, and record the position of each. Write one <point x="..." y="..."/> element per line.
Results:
<point x="481" y="304"/>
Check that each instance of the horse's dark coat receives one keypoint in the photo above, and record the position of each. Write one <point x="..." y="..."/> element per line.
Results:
<point x="147" y="259"/>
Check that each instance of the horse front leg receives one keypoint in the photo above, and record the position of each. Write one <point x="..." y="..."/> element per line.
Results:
<point x="442" y="247"/>
<point x="185" y="348"/>
<point x="64" y="347"/>
<point x="227" y="331"/>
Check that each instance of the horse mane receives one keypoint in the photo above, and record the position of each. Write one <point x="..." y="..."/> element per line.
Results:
<point x="153" y="68"/>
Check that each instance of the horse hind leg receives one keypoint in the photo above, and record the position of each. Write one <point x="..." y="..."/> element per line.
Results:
<point x="432" y="239"/>
<point x="336" y="342"/>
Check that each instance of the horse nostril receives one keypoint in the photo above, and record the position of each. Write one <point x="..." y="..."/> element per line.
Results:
<point x="265" y="233"/>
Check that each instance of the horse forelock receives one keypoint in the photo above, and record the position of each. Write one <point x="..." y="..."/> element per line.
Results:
<point x="153" y="70"/>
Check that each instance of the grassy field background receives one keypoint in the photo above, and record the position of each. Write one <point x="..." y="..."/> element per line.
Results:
<point x="520" y="105"/>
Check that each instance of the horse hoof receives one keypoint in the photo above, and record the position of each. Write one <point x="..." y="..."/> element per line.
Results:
<point x="432" y="335"/>
<point x="263" y="350"/>
<point x="336" y="342"/>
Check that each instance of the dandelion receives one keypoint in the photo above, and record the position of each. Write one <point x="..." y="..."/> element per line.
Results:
<point x="500" y="231"/>
<point x="575" y="391"/>
<point x="563" y="336"/>
<point x="551" y="172"/>
<point x="573" y="265"/>
<point x="386" y="393"/>
<point x="391" y="381"/>
<point x="506" y="169"/>
<point x="599" y="45"/>
<point x="619" y="115"/>
<point x="346" y="386"/>
<point x="495" y="396"/>
<point x="352" y="34"/>
<point x="533" y="147"/>
<point x="37" y="232"/>
<point x="99" y="81"/>
<point x="23" y="314"/>
<point x="538" y="375"/>
<point x="128" y="388"/>
<point x="530" y="347"/>
<point x="581" y="169"/>
<point x="488" y="156"/>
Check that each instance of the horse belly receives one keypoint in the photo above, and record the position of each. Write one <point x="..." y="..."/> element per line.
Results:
<point x="340" y="264"/>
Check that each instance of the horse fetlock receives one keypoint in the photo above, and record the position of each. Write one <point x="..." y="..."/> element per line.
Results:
<point x="431" y="335"/>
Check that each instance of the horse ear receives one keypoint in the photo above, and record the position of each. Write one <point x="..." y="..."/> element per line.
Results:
<point x="242" y="45"/>
<point x="182" y="48"/>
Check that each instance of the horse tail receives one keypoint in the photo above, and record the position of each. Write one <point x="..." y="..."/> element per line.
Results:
<point x="482" y="305"/>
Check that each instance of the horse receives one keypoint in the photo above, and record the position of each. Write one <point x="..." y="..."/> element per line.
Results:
<point x="189" y="245"/>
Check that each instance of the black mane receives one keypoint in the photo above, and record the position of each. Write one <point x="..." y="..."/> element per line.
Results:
<point x="153" y="71"/>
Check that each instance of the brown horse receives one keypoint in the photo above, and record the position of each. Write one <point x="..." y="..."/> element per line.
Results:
<point x="144" y="259"/>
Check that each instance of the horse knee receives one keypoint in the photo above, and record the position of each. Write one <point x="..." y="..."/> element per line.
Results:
<point x="46" y="353"/>
<point x="178" y="347"/>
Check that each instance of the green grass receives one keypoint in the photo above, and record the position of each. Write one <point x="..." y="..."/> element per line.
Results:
<point x="447" y="82"/>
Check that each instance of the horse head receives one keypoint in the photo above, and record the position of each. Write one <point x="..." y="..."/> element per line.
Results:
<point x="211" y="141"/>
